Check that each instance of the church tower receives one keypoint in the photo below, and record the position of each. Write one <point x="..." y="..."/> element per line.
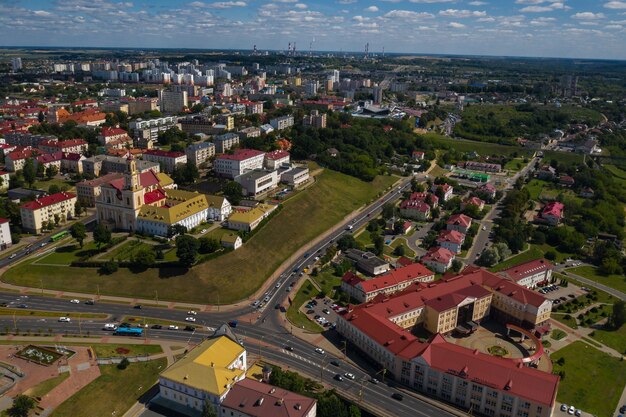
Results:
<point x="132" y="176"/>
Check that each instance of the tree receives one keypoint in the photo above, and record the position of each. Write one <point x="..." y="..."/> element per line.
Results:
<point x="208" y="410"/>
<point x="388" y="211"/>
<point x="54" y="189"/>
<point x="346" y="242"/>
<point x="208" y="244"/>
<point x="123" y="363"/>
<point x="489" y="257"/>
<point x="618" y="316"/>
<point x="29" y="172"/>
<point x="144" y="258"/>
<point x="78" y="232"/>
<point x="354" y="411"/>
<point x="399" y="251"/>
<point x="187" y="250"/>
<point x="176" y="230"/>
<point x="457" y="265"/>
<point x="40" y="117"/>
<point x="57" y="219"/>
<point x="51" y="171"/>
<point x="610" y="266"/>
<point x="101" y="235"/>
<point x="41" y="171"/>
<point x="398" y="227"/>
<point x="109" y="268"/>
<point x="379" y="244"/>
<point x="22" y="405"/>
<point x="550" y="255"/>
<point x="233" y="192"/>
<point x="78" y="208"/>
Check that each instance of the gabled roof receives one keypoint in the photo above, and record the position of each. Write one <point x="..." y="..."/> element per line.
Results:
<point x="416" y="205"/>
<point x="521" y="271"/>
<point x="241" y="155"/>
<point x="351" y="278"/>
<point x="553" y="208"/>
<point x="396" y="277"/>
<point x="165" y="154"/>
<point x="48" y="200"/>
<point x="451" y="236"/>
<point x="274" y="155"/>
<point x="438" y="254"/>
<point x="460" y="220"/>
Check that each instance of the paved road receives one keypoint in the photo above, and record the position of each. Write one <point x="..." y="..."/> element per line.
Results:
<point x="586" y="281"/>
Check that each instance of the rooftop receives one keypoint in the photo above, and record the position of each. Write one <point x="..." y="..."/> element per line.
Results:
<point x="279" y="154"/>
<point x="257" y="399"/>
<point x="525" y="269"/>
<point x="48" y="200"/>
<point x="396" y="277"/>
<point x="241" y="155"/>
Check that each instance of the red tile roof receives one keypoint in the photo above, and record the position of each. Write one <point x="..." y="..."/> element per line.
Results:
<point x="241" y="154"/>
<point x="112" y="131"/>
<point x="525" y="269"/>
<point x="167" y="154"/>
<point x="63" y="144"/>
<point x="439" y="255"/>
<point x="351" y="278"/>
<point x="48" y="200"/>
<point x="415" y="205"/>
<point x="258" y="399"/>
<point x="396" y="277"/>
<point x="473" y="201"/>
<point x="404" y="261"/>
<point x="451" y="236"/>
<point x="460" y="220"/>
<point x="153" y="196"/>
<point x="553" y="208"/>
<point x="279" y="154"/>
<point x="2" y="221"/>
<point x="50" y="157"/>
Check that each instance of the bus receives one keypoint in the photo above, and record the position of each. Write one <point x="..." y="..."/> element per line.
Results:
<point x="128" y="331"/>
<point x="59" y="236"/>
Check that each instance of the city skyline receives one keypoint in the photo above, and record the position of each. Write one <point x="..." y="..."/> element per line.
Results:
<point x="541" y="28"/>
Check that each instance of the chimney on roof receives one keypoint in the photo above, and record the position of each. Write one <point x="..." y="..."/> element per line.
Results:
<point x="279" y="402"/>
<point x="258" y="402"/>
<point x="273" y="390"/>
<point x="298" y="406"/>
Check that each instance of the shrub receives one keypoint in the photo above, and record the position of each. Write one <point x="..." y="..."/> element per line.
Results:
<point x="123" y="364"/>
<point x="109" y="268"/>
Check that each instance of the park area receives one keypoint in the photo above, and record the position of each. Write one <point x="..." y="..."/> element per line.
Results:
<point x="235" y="275"/>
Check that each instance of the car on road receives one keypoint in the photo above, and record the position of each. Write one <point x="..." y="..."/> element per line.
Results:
<point x="22" y="306"/>
<point x="75" y="301"/>
<point x="338" y="377"/>
<point x="192" y="313"/>
<point x="13" y="256"/>
<point x="266" y="299"/>
<point x="90" y="302"/>
<point x="64" y="319"/>
<point x="320" y="351"/>
<point x="289" y="348"/>
<point x="190" y="328"/>
<point x="233" y="323"/>
<point x="306" y="255"/>
<point x="191" y="319"/>
<point x="256" y="303"/>
<point x="374" y="381"/>
<point x="157" y="326"/>
<point x="334" y="362"/>
<point x="349" y="376"/>
<point x="397" y="396"/>
<point x="137" y="307"/>
<point x="43" y="244"/>
<point x="110" y="327"/>
<point x="172" y="327"/>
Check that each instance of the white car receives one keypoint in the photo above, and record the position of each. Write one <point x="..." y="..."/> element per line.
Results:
<point x="64" y="319"/>
<point x="190" y="318"/>
<point x="349" y="375"/>
<point x="192" y="313"/>
<point x="75" y="301"/>
<point x="484" y="228"/>
<point x="172" y="327"/>
<point x="13" y="256"/>
<point x="43" y="244"/>
<point x="203" y="231"/>
<point x="110" y="327"/>
<point x="571" y="409"/>
<point x="320" y="351"/>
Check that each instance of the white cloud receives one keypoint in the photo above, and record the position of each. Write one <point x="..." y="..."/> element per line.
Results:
<point x="477" y="3"/>
<point x="42" y="13"/>
<point x="421" y="1"/>
<point x="547" y="8"/>
<point x="300" y="6"/>
<point x="360" y="18"/>
<point x="371" y="9"/>
<point x="285" y="1"/>
<point x="456" y="25"/>
<point x="462" y="13"/>
<point x="542" y="21"/>
<point x="408" y="14"/>
<point x="486" y="19"/>
<point x="219" y="4"/>
<point x="588" y="16"/>
<point x="615" y="5"/>
<point x="347" y="1"/>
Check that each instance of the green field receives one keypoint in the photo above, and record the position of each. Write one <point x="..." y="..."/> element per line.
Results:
<point x="295" y="316"/>
<point x="483" y="148"/>
<point x="65" y="255"/>
<point x="327" y="281"/>
<point x="615" y="339"/>
<point x="583" y="364"/>
<point x="46" y="386"/>
<point x="591" y="272"/>
<point x="529" y="255"/>
<point x="535" y="187"/>
<point x="114" y="391"/>
<point x="127" y="250"/>
<point x="111" y="350"/>
<point x="237" y="274"/>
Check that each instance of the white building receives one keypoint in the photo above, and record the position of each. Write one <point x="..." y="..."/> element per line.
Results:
<point x="258" y="181"/>
<point x="198" y="153"/>
<point x="242" y="161"/>
<point x="5" y="234"/>
<point x="281" y="123"/>
<point x="167" y="159"/>
<point x="219" y="208"/>
<point x="47" y="209"/>
<point x="295" y="176"/>
<point x="531" y="274"/>
<point x="173" y="101"/>
<point x="276" y="159"/>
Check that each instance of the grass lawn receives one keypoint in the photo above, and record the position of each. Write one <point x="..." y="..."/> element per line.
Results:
<point x="483" y="148"/>
<point x="583" y="364"/>
<point x="437" y="171"/>
<point x="563" y="318"/>
<point x="37" y="313"/>
<point x="615" y="339"/>
<point x="327" y="281"/>
<point x="558" y="334"/>
<point x="112" y="350"/>
<point x="514" y="164"/>
<point x="529" y="255"/>
<point x="235" y="275"/>
<point x="535" y="187"/>
<point x="45" y="184"/>
<point x="46" y="386"/>
<point x="295" y="316"/>
<point x="65" y="255"/>
<point x="364" y="238"/>
<point x="617" y="172"/>
<point x="114" y="391"/>
<point x="560" y="256"/>
<point x="126" y="250"/>
<point x="408" y="252"/>
<point x="591" y="272"/>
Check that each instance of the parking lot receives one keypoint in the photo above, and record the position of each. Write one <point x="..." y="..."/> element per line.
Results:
<point x="321" y="311"/>
<point x="561" y="294"/>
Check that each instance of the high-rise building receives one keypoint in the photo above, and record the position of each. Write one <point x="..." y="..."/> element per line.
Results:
<point x="311" y="88"/>
<point x="569" y="85"/>
<point x="16" y="64"/>
<point x="378" y="95"/>
<point x="329" y="84"/>
<point x="172" y="101"/>
<point x="336" y="76"/>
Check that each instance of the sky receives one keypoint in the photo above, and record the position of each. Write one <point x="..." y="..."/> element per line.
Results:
<point x="542" y="28"/>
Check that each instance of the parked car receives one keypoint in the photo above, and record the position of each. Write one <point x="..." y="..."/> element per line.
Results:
<point x="578" y="413"/>
<point x="571" y="409"/>
<point x="157" y="326"/>
<point x="563" y="407"/>
<point x="325" y="311"/>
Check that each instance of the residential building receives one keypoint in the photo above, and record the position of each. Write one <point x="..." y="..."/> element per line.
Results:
<point x="488" y="189"/>
<point x="473" y="201"/>
<point x="459" y="222"/>
<point x="378" y="95"/>
<point x="5" y="234"/>
<point x="367" y="262"/>
<point x="531" y="274"/>
<point x="552" y="213"/>
<point x="68" y="146"/>
<point x="248" y="220"/>
<point x="219" y="208"/>
<point x="26" y="139"/>
<point x="258" y="181"/>
<point x="481" y="166"/>
<point x="111" y="136"/>
<point x="102" y="164"/>
<point x="452" y="240"/>
<point x="438" y="259"/>
<point x="546" y="173"/>
<point x="250" y="398"/>
<point x="204" y="375"/>
<point x="249" y="132"/>
<point x="315" y="119"/>
<point x="418" y="155"/>
<point x="446" y="190"/>
<point x="566" y="181"/>
<point x="173" y="101"/>
<point x="295" y="176"/>
<point x="225" y="142"/>
<point x="49" y="160"/>
<point x="18" y="194"/>
<point x="240" y="162"/>
<point x="231" y="240"/>
<point x="415" y="209"/>
<point x="199" y="153"/>
<point x="43" y="210"/>
<point x="5" y="179"/>
<point x="72" y="162"/>
<point x="88" y="191"/>
<point x="227" y="120"/>
<point x="165" y="208"/>
<point x="166" y="159"/>
<point x="587" y="192"/>
<point x="142" y="105"/>
<point x="393" y="281"/>
<point x="276" y="159"/>
<point x="15" y="161"/>
<point x="146" y="132"/>
<point x="281" y="123"/>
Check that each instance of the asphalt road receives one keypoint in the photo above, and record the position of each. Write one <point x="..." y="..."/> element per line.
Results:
<point x="563" y="269"/>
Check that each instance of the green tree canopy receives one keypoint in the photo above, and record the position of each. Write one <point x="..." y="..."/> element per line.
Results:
<point x="187" y="250"/>
<point x="78" y="232"/>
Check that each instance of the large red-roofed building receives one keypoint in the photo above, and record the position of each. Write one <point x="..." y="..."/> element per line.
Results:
<point x="240" y="162"/>
<point x="530" y="274"/>
<point x="43" y="210"/>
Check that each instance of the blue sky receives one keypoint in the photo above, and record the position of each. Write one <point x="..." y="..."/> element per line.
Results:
<point x="557" y="28"/>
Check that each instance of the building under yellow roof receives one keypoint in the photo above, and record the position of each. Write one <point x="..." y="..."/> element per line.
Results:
<point x="212" y="367"/>
<point x="248" y="220"/>
<point x="179" y="205"/>
<point x="165" y="180"/>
